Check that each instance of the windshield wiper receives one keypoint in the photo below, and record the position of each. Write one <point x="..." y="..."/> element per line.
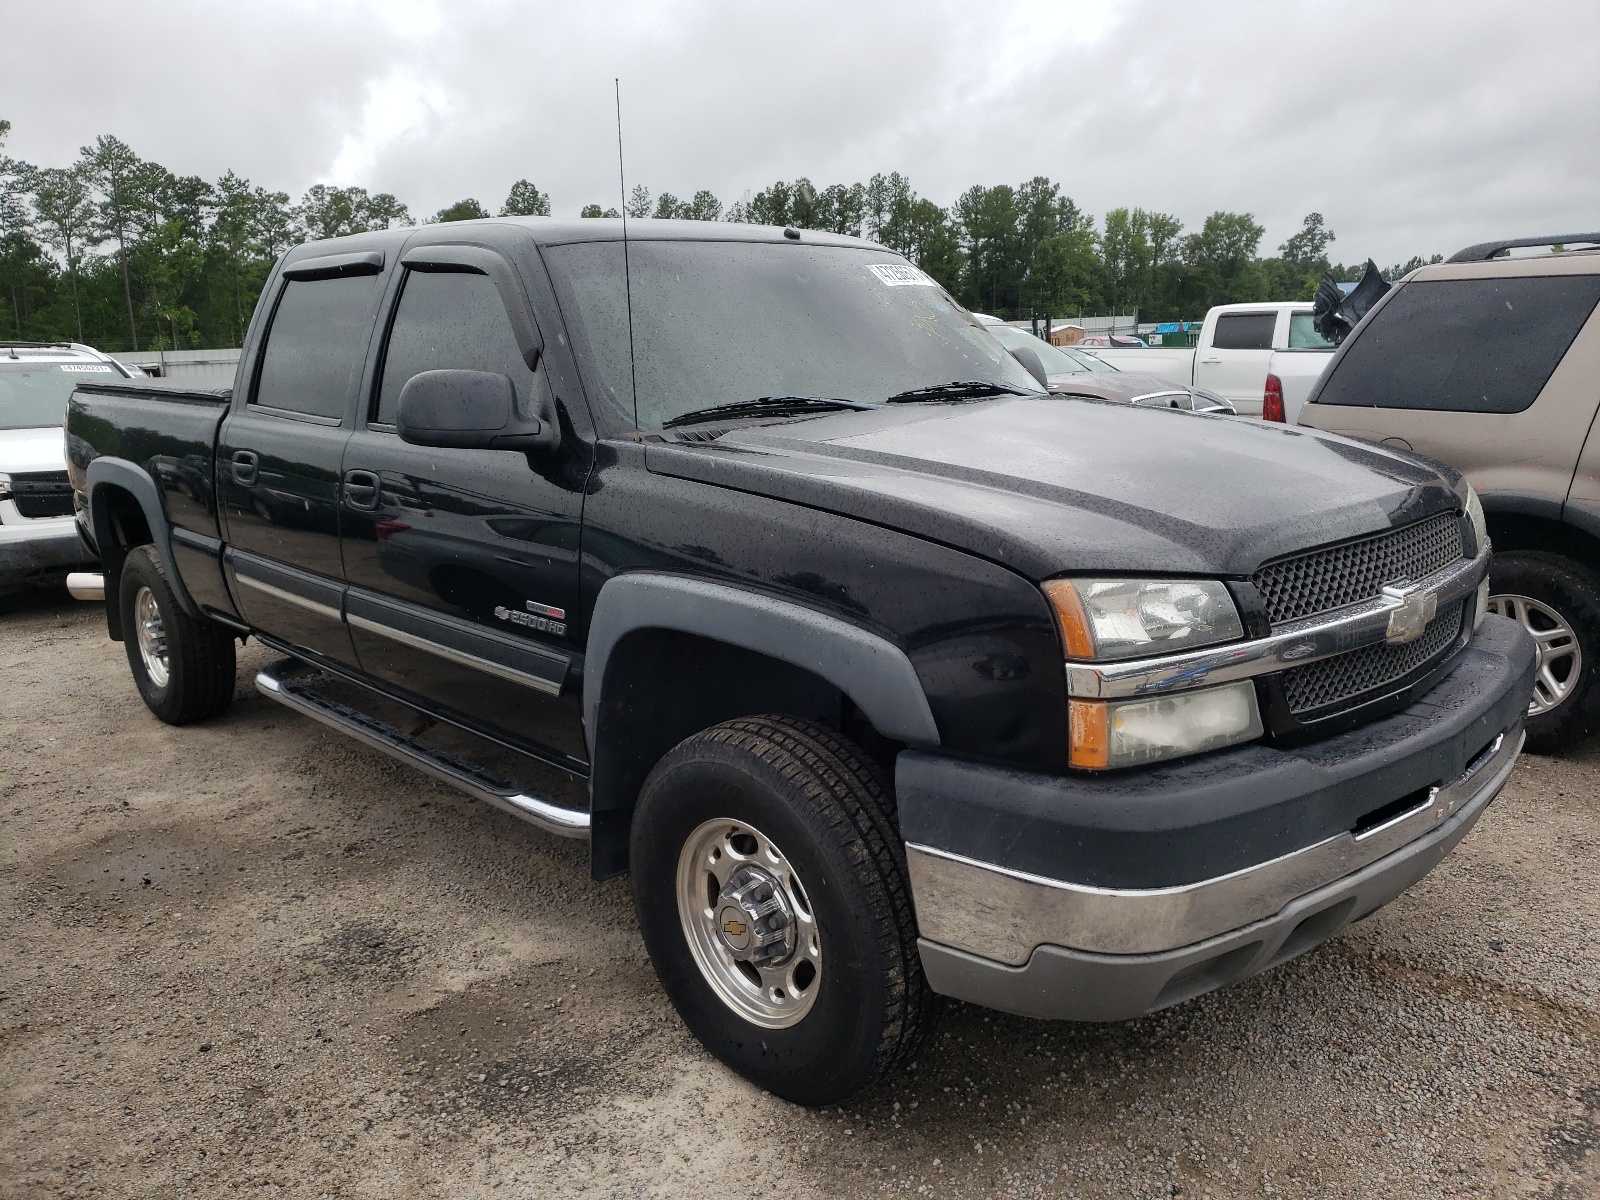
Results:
<point x="961" y="389"/>
<point x="763" y="406"/>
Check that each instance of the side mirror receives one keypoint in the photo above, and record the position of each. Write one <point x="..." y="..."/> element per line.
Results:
<point x="1209" y="402"/>
<point x="1034" y="367"/>
<point x="473" y="410"/>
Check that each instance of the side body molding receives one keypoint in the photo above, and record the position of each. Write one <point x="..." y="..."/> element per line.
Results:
<point x="107" y="472"/>
<point x="872" y="671"/>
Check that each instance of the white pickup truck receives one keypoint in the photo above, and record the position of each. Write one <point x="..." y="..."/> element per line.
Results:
<point x="1262" y="358"/>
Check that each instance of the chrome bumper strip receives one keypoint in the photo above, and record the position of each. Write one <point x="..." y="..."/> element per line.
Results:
<point x="1003" y="915"/>
<point x="1291" y="645"/>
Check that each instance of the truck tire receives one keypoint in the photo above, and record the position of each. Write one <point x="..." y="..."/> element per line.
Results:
<point x="184" y="667"/>
<point x="770" y="883"/>
<point x="1558" y="602"/>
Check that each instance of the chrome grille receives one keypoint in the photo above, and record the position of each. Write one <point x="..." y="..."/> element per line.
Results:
<point x="1320" y="580"/>
<point x="42" y="493"/>
<point x="1350" y="676"/>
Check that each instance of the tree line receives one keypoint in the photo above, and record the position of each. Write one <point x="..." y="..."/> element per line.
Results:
<point x="122" y="253"/>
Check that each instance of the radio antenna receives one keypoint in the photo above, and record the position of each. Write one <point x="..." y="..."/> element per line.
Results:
<point x="627" y="274"/>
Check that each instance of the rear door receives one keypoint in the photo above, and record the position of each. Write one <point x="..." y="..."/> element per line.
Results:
<point x="463" y="564"/>
<point x="1488" y="368"/>
<point x="1234" y="362"/>
<point x="280" y="451"/>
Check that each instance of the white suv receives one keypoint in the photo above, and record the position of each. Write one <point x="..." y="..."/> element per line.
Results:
<point x="39" y="542"/>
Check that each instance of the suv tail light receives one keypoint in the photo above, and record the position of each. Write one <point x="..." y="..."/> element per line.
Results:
<point x="1272" y="400"/>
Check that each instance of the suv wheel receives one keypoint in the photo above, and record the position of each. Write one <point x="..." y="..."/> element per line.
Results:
<point x="1558" y="602"/>
<point x="770" y="884"/>
<point x="184" y="668"/>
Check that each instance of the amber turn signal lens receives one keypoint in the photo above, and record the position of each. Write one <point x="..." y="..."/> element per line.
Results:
<point x="1089" y="734"/>
<point x="1072" y="618"/>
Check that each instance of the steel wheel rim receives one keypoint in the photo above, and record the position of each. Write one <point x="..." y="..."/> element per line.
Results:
<point x="773" y="997"/>
<point x="1560" y="655"/>
<point x="151" y="634"/>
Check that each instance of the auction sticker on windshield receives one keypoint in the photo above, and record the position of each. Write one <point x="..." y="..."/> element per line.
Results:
<point x="901" y="275"/>
<point x="81" y="368"/>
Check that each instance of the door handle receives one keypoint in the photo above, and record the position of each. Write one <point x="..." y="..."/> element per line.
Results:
<point x="1210" y="362"/>
<point x="361" y="490"/>
<point x="245" y="464"/>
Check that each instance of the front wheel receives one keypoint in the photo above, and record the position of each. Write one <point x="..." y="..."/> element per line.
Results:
<point x="1558" y="602"/>
<point x="184" y="667"/>
<point x="770" y="884"/>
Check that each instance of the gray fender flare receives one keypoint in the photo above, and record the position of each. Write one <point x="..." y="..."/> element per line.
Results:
<point x="871" y="670"/>
<point x="119" y="472"/>
<point x="1521" y="504"/>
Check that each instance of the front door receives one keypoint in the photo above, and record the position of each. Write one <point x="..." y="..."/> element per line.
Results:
<point x="463" y="564"/>
<point x="278" y="461"/>
<point x="1235" y="363"/>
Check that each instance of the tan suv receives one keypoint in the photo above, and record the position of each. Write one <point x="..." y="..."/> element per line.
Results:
<point x="1491" y="364"/>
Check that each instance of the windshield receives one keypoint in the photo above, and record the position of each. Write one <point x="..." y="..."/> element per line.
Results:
<point x="34" y="394"/>
<point x="1056" y="360"/>
<point x="1089" y="361"/>
<point x="719" y="323"/>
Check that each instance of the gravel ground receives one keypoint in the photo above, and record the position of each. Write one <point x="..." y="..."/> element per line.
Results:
<point x="254" y="958"/>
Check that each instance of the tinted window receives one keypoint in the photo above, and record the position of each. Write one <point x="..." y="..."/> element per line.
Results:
<point x="1464" y="345"/>
<point x="449" y="321"/>
<point x="1303" y="334"/>
<point x="317" y="344"/>
<point x="725" y="322"/>
<point x="1244" y="331"/>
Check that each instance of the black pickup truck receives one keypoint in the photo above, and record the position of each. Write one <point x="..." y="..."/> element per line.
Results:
<point x="750" y="556"/>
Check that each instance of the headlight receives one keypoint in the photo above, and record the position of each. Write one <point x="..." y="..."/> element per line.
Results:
<point x="1480" y="527"/>
<point x="1128" y="618"/>
<point x="1126" y="733"/>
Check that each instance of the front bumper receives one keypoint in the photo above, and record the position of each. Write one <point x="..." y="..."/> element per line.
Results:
<point x="1135" y="927"/>
<point x="44" y="546"/>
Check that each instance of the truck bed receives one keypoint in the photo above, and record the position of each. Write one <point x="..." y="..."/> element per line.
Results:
<point x="171" y="432"/>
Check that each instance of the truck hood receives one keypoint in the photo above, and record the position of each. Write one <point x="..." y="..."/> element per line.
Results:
<point x="1047" y="485"/>
<point x="32" y="450"/>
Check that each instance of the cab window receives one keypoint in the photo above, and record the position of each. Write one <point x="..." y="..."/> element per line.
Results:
<point x="448" y="320"/>
<point x="317" y="344"/>
<point x="1244" y="331"/>
<point x="1303" y="334"/>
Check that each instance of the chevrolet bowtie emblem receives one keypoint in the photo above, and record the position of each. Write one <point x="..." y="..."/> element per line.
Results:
<point x="1416" y="609"/>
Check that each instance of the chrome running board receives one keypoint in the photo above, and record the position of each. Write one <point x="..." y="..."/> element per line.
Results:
<point x="294" y="694"/>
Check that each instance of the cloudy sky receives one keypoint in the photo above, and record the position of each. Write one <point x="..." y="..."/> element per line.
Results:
<point x="1414" y="126"/>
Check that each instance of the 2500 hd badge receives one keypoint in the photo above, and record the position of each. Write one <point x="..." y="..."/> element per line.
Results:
<point x="542" y="617"/>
